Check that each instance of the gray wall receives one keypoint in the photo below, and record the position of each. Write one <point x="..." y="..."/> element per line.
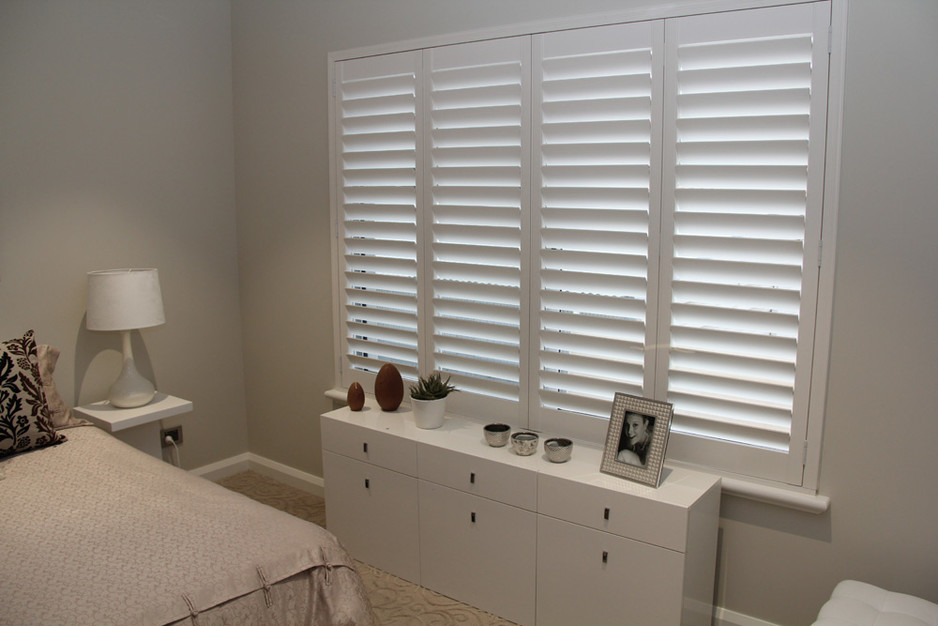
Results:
<point x="878" y="466"/>
<point x="117" y="150"/>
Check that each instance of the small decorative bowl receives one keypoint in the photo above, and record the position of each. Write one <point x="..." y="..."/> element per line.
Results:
<point x="558" y="449"/>
<point x="496" y="435"/>
<point x="524" y="443"/>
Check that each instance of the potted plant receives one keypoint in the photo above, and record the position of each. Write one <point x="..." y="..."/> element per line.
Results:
<point x="428" y="398"/>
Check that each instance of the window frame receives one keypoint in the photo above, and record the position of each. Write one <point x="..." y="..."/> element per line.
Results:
<point x="826" y="255"/>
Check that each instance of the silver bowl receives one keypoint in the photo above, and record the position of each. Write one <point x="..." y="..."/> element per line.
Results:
<point x="524" y="443"/>
<point x="558" y="449"/>
<point x="496" y="435"/>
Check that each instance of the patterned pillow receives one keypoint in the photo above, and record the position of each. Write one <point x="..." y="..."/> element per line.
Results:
<point x="25" y="421"/>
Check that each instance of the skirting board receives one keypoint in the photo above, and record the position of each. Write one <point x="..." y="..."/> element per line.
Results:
<point x="310" y="483"/>
<point x="724" y="617"/>
<point x="313" y="484"/>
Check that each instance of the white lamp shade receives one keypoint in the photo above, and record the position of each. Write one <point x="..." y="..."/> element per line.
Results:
<point x="124" y="299"/>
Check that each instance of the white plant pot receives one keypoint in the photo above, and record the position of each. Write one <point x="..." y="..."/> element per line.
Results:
<point x="428" y="413"/>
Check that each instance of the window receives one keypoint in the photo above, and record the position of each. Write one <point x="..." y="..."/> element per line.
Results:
<point x="552" y="218"/>
<point x="477" y="208"/>
<point x="379" y="169"/>
<point x="597" y="208"/>
<point x="746" y="108"/>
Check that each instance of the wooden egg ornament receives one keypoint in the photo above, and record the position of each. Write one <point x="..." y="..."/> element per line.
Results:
<point x="389" y="388"/>
<point x="355" y="397"/>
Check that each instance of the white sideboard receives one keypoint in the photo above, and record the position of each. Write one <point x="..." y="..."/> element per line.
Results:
<point x="531" y="541"/>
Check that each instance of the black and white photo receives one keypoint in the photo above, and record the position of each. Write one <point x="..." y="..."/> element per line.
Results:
<point x="637" y="438"/>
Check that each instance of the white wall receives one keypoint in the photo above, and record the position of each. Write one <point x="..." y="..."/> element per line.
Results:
<point x="117" y="150"/>
<point x="879" y="467"/>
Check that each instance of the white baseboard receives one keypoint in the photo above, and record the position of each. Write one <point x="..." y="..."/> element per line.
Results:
<point x="224" y="468"/>
<point x="304" y="481"/>
<point x="724" y="617"/>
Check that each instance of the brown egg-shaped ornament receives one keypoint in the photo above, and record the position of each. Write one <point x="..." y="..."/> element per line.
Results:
<point x="356" y="397"/>
<point x="389" y="388"/>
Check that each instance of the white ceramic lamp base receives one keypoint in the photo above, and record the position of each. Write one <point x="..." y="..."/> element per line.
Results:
<point x="130" y="389"/>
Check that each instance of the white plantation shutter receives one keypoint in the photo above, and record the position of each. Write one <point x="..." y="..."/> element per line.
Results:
<point x="554" y="218"/>
<point x="476" y="194"/>
<point x="747" y="99"/>
<point x="376" y="152"/>
<point x="597" y="124"/>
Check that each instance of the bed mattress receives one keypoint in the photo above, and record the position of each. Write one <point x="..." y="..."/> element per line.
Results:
<point x="93" y="531"/>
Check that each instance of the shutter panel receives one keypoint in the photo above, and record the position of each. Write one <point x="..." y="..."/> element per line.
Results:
<point x="477" y="102"/>
<point x="597" y="126"/>
<point x="743" y="218"/>
<point x="376" y="146"/>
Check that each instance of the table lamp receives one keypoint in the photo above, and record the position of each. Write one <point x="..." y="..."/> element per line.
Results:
<point x="126" y="300"/>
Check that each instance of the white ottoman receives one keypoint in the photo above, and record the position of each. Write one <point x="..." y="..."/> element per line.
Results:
<point x="858" y="604"/>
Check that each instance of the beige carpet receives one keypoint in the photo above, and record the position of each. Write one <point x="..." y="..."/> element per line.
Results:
<point x="395" y="601"/>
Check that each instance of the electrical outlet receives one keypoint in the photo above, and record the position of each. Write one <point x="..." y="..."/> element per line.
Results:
<point x="175" y="433"/>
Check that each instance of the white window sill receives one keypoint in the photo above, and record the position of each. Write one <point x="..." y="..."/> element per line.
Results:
<point x="769" y="494"/>
<point x="339" y="395"/>
<point x="807" y="502"/>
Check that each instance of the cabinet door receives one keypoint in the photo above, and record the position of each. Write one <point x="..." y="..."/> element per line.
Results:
<point x="586" y="575"/>
<point x="478" y="551"/>
<point x="373" y="512"/>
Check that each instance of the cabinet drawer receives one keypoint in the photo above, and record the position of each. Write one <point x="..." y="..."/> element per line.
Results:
<point x="373" y="511"/>
<point x="645" y="519"/>
<point x="369" y="445"/>
<point x="613" y="580"/>
<point x="478" y="551"/>
<point x="495" y="480"/>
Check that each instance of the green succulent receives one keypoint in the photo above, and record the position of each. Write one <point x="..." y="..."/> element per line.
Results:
<point x="432" y="387"/>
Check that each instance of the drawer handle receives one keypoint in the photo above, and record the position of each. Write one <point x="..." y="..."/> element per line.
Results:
<point x="606" y="513"/>
<point x="367" y="483"/>
<point x="473" y="516"/>
<point x="365" y="447"/>
<point x="605" y="557"/>
<point x="472" y="477"/>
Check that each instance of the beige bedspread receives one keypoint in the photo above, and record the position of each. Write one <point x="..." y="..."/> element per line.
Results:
<point x="95" y="532"/>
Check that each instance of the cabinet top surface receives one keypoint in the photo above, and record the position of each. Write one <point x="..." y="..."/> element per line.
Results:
<point x="679" y="486"/>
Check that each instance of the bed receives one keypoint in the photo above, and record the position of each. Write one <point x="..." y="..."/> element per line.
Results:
<point x="93" y="531"/>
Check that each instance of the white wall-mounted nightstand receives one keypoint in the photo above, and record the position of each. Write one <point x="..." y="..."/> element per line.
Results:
<point x="138" y="426"/>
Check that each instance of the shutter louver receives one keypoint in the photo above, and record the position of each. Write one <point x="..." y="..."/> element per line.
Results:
<point x="742" y="226"/>
<point x="596" y="91"/>
<point x="476" y="106"/>
<point x="377" y="151"/>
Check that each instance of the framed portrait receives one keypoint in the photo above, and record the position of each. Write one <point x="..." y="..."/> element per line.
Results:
<point x="637" y="438"/>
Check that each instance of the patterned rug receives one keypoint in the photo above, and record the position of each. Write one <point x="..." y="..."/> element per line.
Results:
<point x="395" y="601"/>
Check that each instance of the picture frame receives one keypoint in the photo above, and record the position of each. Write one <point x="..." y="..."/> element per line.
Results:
<point x="638" y="456"/>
